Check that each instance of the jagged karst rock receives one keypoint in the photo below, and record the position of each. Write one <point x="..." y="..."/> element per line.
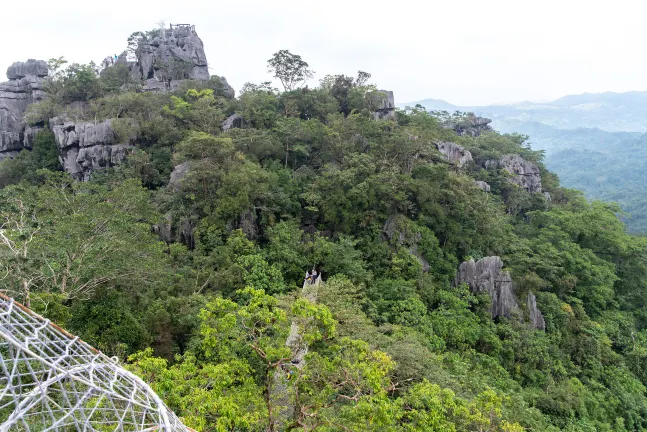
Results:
<point x="534" y="314"/>
<point x="233" y="121"/>
<point x="547" y="196"/>
<point x="524" y="173"/>
<point x="487" y="275"/>
<point x="177" y="175"/>
<point x="470" y="125"/>
<point x="454" y="153"/>
<point x="87" y="146"/>
<point x="386" y="106"/>
<point x="396" y="229"/>
<point x="224" y="88"/>
<point x="25" y="86"/>
<point x="31" y="67"/>
<point x="483" y="185"/>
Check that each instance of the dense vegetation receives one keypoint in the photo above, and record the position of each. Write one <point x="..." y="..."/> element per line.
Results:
<point x="584" y="143"/>
<point x="201" y="304"/>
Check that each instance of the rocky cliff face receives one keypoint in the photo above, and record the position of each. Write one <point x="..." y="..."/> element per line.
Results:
<point x="87" y="146"/>
<point x="486" y="275"/>
<point x="25" y="86"/>
<point x="454" y="153"/>
<point x="173" y="55"/>
<point x="524" y="173"/>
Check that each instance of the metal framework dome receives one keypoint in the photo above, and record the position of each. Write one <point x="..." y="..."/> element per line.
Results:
<point x="51" y="380"/>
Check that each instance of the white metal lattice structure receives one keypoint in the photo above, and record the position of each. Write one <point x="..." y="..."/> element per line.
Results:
<point x="51" y="380"/>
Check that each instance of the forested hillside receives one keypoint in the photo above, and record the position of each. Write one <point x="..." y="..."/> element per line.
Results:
<point x="585" y="143"/>
<point x="187" y="258"/>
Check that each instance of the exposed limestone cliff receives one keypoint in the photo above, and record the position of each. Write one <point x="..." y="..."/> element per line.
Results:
<point x="486" y="275"/>
<point x="454" y="153"/>
<point x="87" y="146"/>
<point x="524" y="173"/>
<point x="167" y="58"/>
<point x="25" y="86"/>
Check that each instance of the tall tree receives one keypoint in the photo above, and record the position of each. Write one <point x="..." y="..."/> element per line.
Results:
<point x="290" y="69"/>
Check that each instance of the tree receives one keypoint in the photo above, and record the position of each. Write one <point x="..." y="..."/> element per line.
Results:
<point x="290" y="69"/>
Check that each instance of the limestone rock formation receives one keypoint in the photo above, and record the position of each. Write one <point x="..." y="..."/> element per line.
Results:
<point x="470" y="125"/>
<point x="162" y="61"/>
<point x="87" y="146"/>
<point x="524" y="173"/>
<point x="486" y="275"/>
<point x="483" y="185"/>
<point x="534" y="314"/>
<point x="233" y="121"/>
<point x="178" y="173"/>
<point x="397" y="229"/>
<point x="454" y="153"/>
<point x="386" y="106"/>
<point x="25" y="86"/>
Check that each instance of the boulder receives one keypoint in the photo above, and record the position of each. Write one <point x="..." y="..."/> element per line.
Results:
<point x="524" y="173"/>
<point x="233" y="121"/>
<point x="454" y="153"/>
<point x="486" y="275"/>
<point x="483" y="185"/>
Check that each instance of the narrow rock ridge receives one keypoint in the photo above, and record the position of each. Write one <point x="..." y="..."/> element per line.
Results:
<point x="486" y="275"/>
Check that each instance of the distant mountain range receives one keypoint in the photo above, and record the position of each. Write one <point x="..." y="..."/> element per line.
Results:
<point x="612" y="112"/>
<point x="595" y="142"/>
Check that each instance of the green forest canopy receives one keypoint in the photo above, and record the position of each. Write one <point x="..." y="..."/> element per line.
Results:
<point x="201" y="305"/>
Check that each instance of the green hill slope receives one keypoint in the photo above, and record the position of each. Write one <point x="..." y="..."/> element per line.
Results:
<point x="187" y="258"/>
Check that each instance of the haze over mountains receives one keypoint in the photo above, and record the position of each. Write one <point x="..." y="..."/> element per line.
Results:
<point x="595" y="142"/>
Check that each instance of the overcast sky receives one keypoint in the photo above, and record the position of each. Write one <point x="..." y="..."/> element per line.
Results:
<point x="468" y="52"/>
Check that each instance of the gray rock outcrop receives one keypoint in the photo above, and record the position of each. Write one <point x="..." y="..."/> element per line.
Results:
<point x="167" y="58"/>
<point x="233" y="121"/>
<point x="25" y="86"/>
<point x="85" y="147"/>
<point x="386" y="106"/>
<point x="534" y="314"/>
<point x="454" y="153"/>
<point x="469" y="125"/>
<point x="524" y="173"/>
<point x="483" y="185"/>
<point x="487" y="275"/>
<point x="177" y="175"/>
<point x="397" y="229"/>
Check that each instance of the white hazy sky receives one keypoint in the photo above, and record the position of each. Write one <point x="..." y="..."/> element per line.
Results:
<point x="467" y="52"/>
